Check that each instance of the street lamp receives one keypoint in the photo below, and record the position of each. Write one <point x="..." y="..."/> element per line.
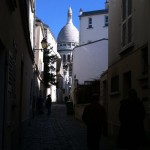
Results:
<point x="44" y="45"/>
<point x="49" y="76"/>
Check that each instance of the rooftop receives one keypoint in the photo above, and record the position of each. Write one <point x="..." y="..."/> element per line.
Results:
<point x="96" y="12"/>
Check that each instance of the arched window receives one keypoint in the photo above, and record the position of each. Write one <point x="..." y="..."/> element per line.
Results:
<point x="64" y="58"/>
<point x="68" y="58"/>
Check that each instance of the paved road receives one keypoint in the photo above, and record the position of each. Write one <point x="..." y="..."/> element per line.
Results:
<point x="58" y="132"/>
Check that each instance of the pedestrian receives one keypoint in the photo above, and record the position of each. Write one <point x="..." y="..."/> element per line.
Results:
<point x="66" y="99"/>
<point x="94" y="116"/>
<point x="40" y="102"/>
<point x="48" y="104"/>
<point x="131" y="116"/>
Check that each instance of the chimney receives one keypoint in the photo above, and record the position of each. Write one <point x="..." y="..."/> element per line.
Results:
<point x="107" y="4"/>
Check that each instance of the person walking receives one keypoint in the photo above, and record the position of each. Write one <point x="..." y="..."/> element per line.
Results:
<point x="131" y="116"/>
<point x="94" y="116"/>
<point x="48" y="104"/>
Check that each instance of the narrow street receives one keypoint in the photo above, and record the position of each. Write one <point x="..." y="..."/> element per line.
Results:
<point x="58" y="132"/>
<point x="70" y="51"/>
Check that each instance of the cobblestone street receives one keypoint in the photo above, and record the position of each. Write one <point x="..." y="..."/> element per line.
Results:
<point x="58" y="132"/>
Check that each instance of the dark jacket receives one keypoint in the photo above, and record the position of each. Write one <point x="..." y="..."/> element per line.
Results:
<point x="131" y="116"/>
<point x="48" y="102"/>
<point x="94" y="116"/>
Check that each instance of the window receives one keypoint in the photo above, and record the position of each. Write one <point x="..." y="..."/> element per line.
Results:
<point x="126" y="22"/>
<point x="69" y="45"/>
<point x="106" y="21"/>
<point x="145" y="60"/>
<point x="104" y="93"/>
<point x="130" y="30"/>
<point x="115" y="84"/>
<point x="64" y="58"/>
<point x="90" y="23"/>
<point x="68" y="58"/>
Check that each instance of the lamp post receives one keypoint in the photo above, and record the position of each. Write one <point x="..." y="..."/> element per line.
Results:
<point x="44" y="45"/>
<point x="44" y="50"/>
<point x="48" y="62"/>
<point x="37" y="90"/>
<point x="49" y="76"/>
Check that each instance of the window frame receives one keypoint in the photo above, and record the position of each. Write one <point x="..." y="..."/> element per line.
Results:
<point x="127" y="24"/>
<point x="68" y="58"/>
<point x="114" y="88"/>
<point x="106" y="21"/>
<point x="90" y="22"/>
<point x="64" y="58"/>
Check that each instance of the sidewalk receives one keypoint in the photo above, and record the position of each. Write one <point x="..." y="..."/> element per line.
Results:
<point x="58" y="132"/>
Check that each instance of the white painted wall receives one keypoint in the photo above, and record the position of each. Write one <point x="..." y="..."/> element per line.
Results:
<point x="90" y="61"/>
<point x="31" y="21"/>
<point x="38" y="58"/>
<point x="37" y="53"/>
<point x="98" y="31"/>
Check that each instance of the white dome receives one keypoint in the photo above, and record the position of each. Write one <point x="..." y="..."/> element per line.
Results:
<point x="69" y="33"/>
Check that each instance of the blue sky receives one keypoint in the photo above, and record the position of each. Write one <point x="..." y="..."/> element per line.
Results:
<point x="54" y="12"/>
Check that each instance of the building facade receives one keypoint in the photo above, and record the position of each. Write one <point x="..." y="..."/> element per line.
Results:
<point x="128" y="57"/>
<point x="16" y="60"/>
<point x="93" y="25"/>
<point x="90" y="58"/>
<point x="92" y="52"/>
<point x="38" y="82"/>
